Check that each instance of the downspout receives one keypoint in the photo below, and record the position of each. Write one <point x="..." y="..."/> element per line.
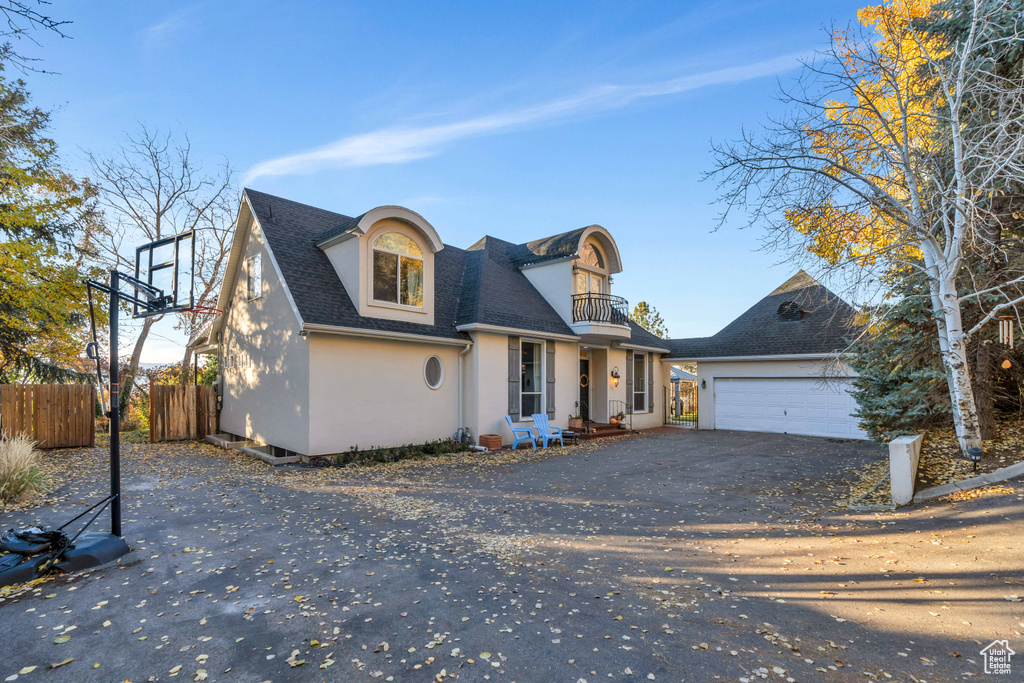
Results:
<point x="462" y="353"/>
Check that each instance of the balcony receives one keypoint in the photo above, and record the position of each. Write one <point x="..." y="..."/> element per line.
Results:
<point x="603" y="316"/>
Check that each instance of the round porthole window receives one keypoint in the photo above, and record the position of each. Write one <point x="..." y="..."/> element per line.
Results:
<point x="433" y="372"/>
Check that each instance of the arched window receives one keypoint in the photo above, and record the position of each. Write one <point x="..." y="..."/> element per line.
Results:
<point x="586" y="280"/>
<point x="397" y="270"/>
<point x="591" y="256"/>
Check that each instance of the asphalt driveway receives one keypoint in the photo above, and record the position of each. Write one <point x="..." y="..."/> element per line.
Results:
<point x="677" y="556"/>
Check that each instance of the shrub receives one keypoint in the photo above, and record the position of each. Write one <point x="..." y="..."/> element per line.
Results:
<point x="135" y="420"/>
<point x="19" y="468"/>
<point x="378" y="454"/>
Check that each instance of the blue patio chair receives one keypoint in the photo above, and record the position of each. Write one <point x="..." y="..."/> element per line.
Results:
<point x="545" y="431"/>
<point x="526" y="433"/>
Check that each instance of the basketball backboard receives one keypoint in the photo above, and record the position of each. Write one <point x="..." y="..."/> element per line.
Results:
<point x="166" y="266"/>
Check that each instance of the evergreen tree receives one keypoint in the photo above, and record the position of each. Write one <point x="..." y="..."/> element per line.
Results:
<point x="647" y="317"/>
<point x="901" y="385"/>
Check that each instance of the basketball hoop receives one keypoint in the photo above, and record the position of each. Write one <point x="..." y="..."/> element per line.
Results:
<point x="164" y="276"/>
<point x="205" y="310"/>
<point x="163" y="282"/>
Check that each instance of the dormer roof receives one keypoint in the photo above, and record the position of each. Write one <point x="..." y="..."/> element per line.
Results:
<point x="566" y="245"/>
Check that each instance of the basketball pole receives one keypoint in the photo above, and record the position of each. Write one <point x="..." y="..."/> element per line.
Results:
<point x="115" y="409"/>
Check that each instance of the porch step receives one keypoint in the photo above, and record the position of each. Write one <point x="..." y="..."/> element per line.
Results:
<point x="599" y="430"/>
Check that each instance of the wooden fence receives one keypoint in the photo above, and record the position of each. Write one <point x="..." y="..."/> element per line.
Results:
<point x="179" y="413"/>
<point x="53" y="415"/>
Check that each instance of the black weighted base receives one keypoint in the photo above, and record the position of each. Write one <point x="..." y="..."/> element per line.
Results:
<point x="92" y="549"/>
<point x="16" y="569"/>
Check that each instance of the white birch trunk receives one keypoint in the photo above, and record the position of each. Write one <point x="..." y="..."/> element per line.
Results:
<point x="958" y="370"/>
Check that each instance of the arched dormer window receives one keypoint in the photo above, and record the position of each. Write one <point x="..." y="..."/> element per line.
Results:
<point x="591" y="256"/>
<point x="590" y="276"/>
<point x="397" y="270"/>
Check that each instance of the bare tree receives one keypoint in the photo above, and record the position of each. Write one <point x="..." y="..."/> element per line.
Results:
<point x="213" y="247"/>
<point x="883" y="166"/>
<point x="23" y="18"/>
<point x="150" y="189"/>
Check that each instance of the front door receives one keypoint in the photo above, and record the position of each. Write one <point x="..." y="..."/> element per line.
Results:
<point x="585" y="388"/>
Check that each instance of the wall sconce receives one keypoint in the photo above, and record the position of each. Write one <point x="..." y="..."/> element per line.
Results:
<point x="703" y="384"/>
<point x="615" y="376"/>
<point x="575" y="269"/>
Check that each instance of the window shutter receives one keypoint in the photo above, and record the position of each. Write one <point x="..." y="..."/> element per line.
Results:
<point x="550" y="369"/>
<point x="514" y="377"/>
<point x="629" y="382"/>
<point x="650" y="382"/>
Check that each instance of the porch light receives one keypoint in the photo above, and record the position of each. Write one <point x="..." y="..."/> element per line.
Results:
<point x="575" y="269"/>
<point x="615" y="376"/>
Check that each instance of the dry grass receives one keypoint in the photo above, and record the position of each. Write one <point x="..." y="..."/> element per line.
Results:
<point x="20" y="473"/>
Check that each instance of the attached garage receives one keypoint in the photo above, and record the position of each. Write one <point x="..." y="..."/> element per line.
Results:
<point x="786" y="405"/>
<point x="764" y="371"/>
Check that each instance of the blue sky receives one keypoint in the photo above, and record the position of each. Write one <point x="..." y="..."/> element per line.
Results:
<point x="518" y="120"/>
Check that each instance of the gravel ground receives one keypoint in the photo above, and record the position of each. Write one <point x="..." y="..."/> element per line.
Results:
<point x="675" y="556"/>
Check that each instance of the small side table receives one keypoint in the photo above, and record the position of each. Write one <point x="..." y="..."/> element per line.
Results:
<point x="572" y="437"/>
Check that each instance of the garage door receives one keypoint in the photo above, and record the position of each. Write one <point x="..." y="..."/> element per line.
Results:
<point x="786" y="405"/>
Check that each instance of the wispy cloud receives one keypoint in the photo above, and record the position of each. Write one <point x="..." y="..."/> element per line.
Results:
<point x="168" y="31"/>
<point x="401" y="144"/>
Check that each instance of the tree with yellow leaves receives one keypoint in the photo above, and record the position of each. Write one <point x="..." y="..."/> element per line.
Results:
<point x="882" y="167"/>
<point x="44" y="215"/>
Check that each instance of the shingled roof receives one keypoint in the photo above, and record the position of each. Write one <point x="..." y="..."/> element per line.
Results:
<point x="639" y="336"/>
<point x="495" y="292"/>
<point x="559" y="246"/>
<point x="801" y="316"/>
<point x="292" y="230"/>
<point x="476" y="285"/>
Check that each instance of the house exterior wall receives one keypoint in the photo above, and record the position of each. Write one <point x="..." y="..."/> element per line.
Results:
<point x="708" y="371"/>
<point x="486" y="384"/>
<point x="554" y="282"/>
<point x="370" y="392"/>
<point x="344" y="257"/>
<point x="654" y="416"/>
<point x="265" y="363"/>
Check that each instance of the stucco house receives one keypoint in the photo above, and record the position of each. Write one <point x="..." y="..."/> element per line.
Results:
<point x="344" y="331"/>
<point x="764" y="371"/>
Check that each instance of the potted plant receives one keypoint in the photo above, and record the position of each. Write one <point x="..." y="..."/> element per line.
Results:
<point x="621" y="420"/>
<point x="576" y="423"/>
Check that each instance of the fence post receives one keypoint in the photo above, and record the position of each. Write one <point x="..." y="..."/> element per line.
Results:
<point x="152" y="414"/>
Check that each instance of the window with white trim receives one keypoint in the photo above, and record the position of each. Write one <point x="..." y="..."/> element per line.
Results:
<point x="397" y="270"/>
<point x="639" y="382"/>
<point x="531" y="385"/>
<point x="433" y="372"/>
<point x="254" y="277"/>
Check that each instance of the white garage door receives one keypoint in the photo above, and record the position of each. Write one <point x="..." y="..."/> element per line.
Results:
<point x="786" y="405"/>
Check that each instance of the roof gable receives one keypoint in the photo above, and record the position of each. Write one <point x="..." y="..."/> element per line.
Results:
<point x="825" y="326"/>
